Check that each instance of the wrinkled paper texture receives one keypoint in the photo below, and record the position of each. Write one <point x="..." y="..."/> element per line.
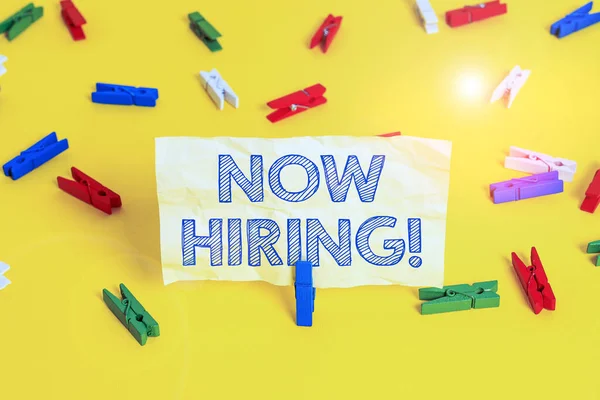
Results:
<point x="395" y="234"/>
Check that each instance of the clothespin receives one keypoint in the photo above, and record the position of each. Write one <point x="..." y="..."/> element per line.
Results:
<point x="73" y="19"/>
<point x="592" y="195"/>
<point x="124" y="95"/>
<point x="218" y="90"/>
<point x="205" y="31"/>
<point x="535" y="282"/>
<point x="21" y="20"/>
<point x="428" y="16"/>
<point x="3" y="59"/>
<point x="526" y="188"/>
<point x="469" y="14"/>
<point x="90" y="191"/>
<point x="326" y="32"/>
<point x="459" y="297"/>
<point x="305" y="293"/>
<point x="4" y="282"/>
<point x="576" y="21"/>
<point x="594" y="247"/>
<point x="297" y="102"/>
<point x="132" y="314"/>
<point x="535" y="163"/>
<point x="35" y="156"/>
<point x="392" y="134"/>
<point x="511" y="85"/>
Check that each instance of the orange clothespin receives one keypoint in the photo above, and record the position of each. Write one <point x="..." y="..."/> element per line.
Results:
<point x="73" y="19"/>
<point x="592" y="195"/>
<point x="535" y="282"/>
<point x="90" y="191"/>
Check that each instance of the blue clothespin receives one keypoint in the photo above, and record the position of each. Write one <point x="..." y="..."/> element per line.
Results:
<point x="124" y="95"/>
<point x="38" y="154"/>
<point x="305" y="293"/>
<point x="576" y="21"/>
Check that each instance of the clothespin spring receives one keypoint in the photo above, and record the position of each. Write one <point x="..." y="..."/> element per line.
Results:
<point x="326" y="29"/>
<point x="480" y="5"/>
<point x="452" y="293"/>
<point x="138" y="317"/>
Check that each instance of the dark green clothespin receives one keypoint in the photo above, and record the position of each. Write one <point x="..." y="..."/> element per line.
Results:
<point x="21" y="20"/>
<point x="205" y="31"/>
<point x="594" y="247"/>
<point x="132" y="314"/>
<point x="459" y="297"/>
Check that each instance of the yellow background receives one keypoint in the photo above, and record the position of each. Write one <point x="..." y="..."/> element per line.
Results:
<point x="239" y="340"/>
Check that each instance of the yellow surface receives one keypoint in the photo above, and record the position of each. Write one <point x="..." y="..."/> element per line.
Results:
<point x="239" y="340"/>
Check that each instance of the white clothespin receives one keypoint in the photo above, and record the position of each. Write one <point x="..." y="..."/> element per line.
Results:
<point x="3" y="59"/>
<point x="428" y="16"/>
<point x="537" y="163"/>
<point x="218" y="90"/>
<point x="3" y="280"/>
<point x="511" y="85"/>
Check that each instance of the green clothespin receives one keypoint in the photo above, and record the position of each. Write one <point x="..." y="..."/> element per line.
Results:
<point x="594" y="247"/>
<point x="132" y="314"/>
<point x="205" y="31"/>
<point x="21" y="20"/>
<point x="459" y="297"/>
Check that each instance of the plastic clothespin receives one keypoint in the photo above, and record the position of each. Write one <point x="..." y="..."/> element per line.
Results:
<point x="124" y="95"/>
<point x="511" y="85"/>
<point x="4" y="282"/>
<point x="205" y="31"/>
<point x="592" y="195"/>
<point x="218" y="90"/>
<point x="305" y="293"/>
<point x="535" y="282"/>
<point x="326" y="32"/>
<point x="469" y="14"/>
<point x="73" y="19"/>
<point x="594" y="247"/>
<point x="21" y="20"/>
<point x="428" y="17"/>
<point x="576" y="21"/>
<point x="3" y="59"/>
<point x="132" y="314"/>
<point x="459" y="297"/>
<point x="90" y="191"/>
<point x="297" y="102"/>
<point x="535" y="163"/>
<point x="35" y="156"/>
<point x="526" y="188"/>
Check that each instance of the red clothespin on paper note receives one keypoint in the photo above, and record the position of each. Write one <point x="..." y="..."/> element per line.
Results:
<point x="297" y="102"/>
<point x="391" y="134"/>
<point x="326" y="32"/>
<point x="73" y="19"/>
<point x="592" y="195"/>
<point x="90" y="191"/>
<point x="535" y="282"/>
<point x="468" y="14"/>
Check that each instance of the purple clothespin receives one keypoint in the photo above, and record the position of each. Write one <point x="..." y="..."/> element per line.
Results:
<point x="526" y="188"/>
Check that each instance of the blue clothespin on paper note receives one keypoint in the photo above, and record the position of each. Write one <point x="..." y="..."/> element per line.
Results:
<point x="305" y="293"/>
<point x="38" y="154"/>
<point x="576" y="21"/>
<point x="124" y="95"/>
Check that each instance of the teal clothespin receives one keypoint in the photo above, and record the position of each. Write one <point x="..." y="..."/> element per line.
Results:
<point x="21" y="20"/>
<point x="132" y="314"/>
<point x="594" y="247"/>
<point x="205" y="31"/>
<point x="459" y="297"/>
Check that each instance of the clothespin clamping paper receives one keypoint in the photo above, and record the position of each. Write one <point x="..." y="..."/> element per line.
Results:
<point x="459" y="297"/>
<point x="297" y="102"/>
<point x="218" y="90"/>
<point x="305" y="293"/>
<point x="511" y="85"/>
<point x="469" y="14"/>
<point x="132" y="314"/>
<point x="124" y="95"/>
<point x="576" y="21"/>
<point x="326" y="32"/>
<point x="428" y="16"/>
<point x="4" y="282"/>
<point x="21" y="20"/>
<point x="535" y="163"/>
<point x="35" y="156"/>
<point x="526" y="188"/>
<point x="592" y="195"/>
<point x="205" y="31"/>
<point x="535" y="282"/>
<point x="73" y="19"/>
<point x="594" y="247"/>
<point x="90" y="191"/>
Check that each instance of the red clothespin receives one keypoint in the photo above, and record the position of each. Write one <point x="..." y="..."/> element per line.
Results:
<point x="73" y="19"/>
<point x="392" y="134"/>
<point x="90" y="191"/>
<point x="535" y="282"/>
<point x="326" y="32"/>
<point x="592" y="195"/>
<point x="468" y="14"/>
<point x="297" y="102"/>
